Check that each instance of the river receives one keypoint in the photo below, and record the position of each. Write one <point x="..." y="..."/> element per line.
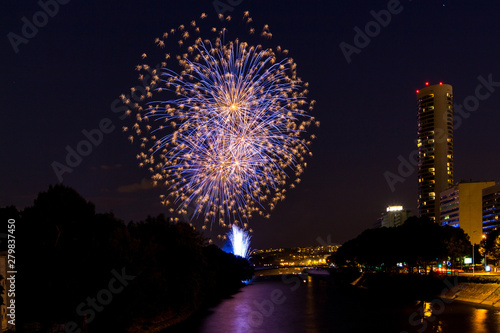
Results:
<point x="290" y="303"/>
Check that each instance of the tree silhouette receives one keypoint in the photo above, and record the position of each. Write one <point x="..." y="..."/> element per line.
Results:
<point x="419" y="242"/>
<point x="67" y="253"/>
<point x="490" y="245"/>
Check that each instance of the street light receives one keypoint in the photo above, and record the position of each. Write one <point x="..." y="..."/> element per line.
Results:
<point x="473" y="262"/>
<point x="484" y="237"/>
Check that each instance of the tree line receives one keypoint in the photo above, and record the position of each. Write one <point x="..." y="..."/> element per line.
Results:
<point x="417" y="244"/>
<point x="92" y="272"/>
<point x="490" y="247"/>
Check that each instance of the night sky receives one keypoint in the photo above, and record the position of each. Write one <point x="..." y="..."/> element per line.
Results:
<point x="65" y="78"/>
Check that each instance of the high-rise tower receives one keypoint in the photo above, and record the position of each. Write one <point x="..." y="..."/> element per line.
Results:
<point x="435" y="146"/>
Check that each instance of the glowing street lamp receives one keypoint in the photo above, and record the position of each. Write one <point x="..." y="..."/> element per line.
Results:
<point x="484" y="237"/>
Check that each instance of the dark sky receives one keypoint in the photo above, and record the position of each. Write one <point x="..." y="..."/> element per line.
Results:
<point x="65" y="78"/>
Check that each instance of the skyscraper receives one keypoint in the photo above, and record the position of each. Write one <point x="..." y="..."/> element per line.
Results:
<point x="462" y="206"/>
<point x="435" y="146"/>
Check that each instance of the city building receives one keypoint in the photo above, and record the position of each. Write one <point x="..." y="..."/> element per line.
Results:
<point x="462" y="206"/>
<point x="435" y="146"/>
<point x="491" y="208"/>
<point x="394" y="216"/>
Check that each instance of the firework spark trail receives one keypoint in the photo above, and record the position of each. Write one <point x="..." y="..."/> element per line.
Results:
<point x="226" y="130"/>
<point x="240" y="242"/>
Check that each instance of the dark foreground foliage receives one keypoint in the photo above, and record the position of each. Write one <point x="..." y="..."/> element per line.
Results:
<point x="418" y="243"/>
<point x="74" y="264"/>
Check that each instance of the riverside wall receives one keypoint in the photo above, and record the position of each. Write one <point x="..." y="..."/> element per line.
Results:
<point x="473" y="292"/>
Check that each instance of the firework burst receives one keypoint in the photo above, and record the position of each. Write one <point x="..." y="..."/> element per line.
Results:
<point x="240" y="241"/>
<point x="223" y="127"/>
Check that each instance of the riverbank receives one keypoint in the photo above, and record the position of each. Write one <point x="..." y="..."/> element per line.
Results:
<point x="482" y="290"/>
<point x="398" y="297"/>
<point x="408" y="287"/>
<point x="478" y="290"/>
<point x="180" y="323"/>
<point x="288" y="303"/>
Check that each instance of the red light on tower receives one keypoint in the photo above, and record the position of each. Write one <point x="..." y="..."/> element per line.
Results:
<point x="426" y="83"/>
<point x="418" y="91"/>
<point x="440" y="83"/>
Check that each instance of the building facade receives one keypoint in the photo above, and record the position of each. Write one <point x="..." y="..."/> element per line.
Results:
<point x="394" y="216"/>
<point x="462" y="206"/>
<point x="491" y="208"/>
<point x="435" y="146"/>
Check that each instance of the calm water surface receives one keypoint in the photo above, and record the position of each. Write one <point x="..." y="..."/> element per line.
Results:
<point x="288" y="304"/>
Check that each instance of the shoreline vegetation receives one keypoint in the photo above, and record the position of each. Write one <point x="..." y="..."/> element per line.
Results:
<point x="88" y="272"/>
<point x="420" y="254"/>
